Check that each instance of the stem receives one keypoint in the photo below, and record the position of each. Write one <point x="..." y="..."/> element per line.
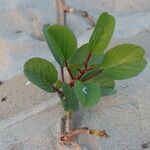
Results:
<point x="62" y="74"/>
<point x="69" y="71"/>
<point x="58" y="91"/>
<point x="92" y="76"/>
<point x="87" y="60"/>
<point x="82" y="72"/>
<point x="66" y="123"/>
<point x="75" y="132"/>
<point x="79" y="70"/>
<point x="66" y="120"/>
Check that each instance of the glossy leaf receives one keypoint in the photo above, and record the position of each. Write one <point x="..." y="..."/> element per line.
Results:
<point x="61" y="42"/>
<point x="41" y="72"/>
<point x="87" y="94"/>
<point x="70" y="101"/>
<point x="123" y="61"/>
<point x="102" y="33"/>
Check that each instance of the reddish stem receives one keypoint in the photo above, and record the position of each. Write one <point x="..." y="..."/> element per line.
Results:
<point x="82" y="72"/>
<point x="87" y="60"/>
<point x="90" y="77"/>
<point x="69" y="71"/>
<point x="79" y="70"/>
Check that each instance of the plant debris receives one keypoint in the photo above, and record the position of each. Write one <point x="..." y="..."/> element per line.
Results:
<point x="1" y="82"/>
<point x="3" y="99"/>
<point x="146" y="145"/>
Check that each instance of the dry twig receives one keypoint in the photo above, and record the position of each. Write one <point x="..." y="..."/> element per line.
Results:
<point x="62" y="9"/>
<point x="61" y="15"/>
<point x="39" y="35"/>
<point x="82" y="13"/>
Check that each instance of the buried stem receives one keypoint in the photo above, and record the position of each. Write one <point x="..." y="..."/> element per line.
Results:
<point x="69" y="134"/>
<point x="75" y="132"/>
<point x="66" y="123"/>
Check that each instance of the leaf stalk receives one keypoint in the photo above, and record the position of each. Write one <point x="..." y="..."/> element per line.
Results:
<point x="87" y="60"/>
<point x="69" y="71"/>
<point x="62" y="74"/>
<point x="58" y="91"/>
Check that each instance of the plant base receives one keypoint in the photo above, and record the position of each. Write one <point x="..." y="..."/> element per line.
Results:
<point x="68" y="134"/>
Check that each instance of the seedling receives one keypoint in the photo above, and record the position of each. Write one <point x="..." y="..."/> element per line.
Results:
<point x="92" y="72"/>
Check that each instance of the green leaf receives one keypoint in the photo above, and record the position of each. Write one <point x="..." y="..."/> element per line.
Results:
<point x="96" y="59"/>
<point x="41" y="72"/>
<point x="102" y="33"/>
<point x="80" y="55"/>
<point x="123" y="61"/>
<point x="87" y="94"/>
<point x="53" y="46"/>
<point x="107" y="91"/>
<point x="102" y="80"/>
<point x="70" y="102"/>
<point x="61" y="41"/>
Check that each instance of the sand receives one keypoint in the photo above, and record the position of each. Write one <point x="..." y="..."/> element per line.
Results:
<point x="30" y="117"/>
